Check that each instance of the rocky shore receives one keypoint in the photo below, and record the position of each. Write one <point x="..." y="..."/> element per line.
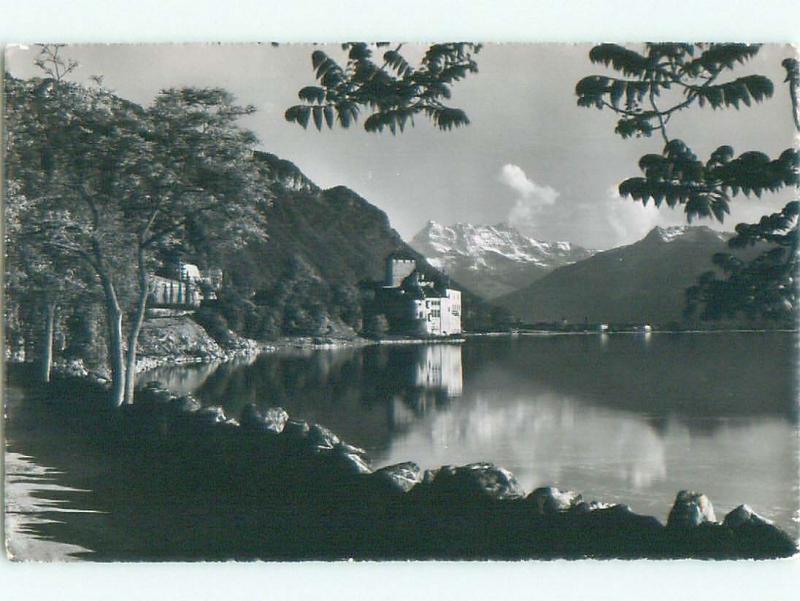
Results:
<point x="264" y="485"/>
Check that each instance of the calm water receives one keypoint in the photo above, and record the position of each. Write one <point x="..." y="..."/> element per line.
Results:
<point x="621" y="418"/>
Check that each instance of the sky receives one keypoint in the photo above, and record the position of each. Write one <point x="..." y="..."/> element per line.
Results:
<point x="530" y="156"/>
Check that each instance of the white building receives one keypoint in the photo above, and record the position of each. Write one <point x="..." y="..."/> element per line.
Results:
<point x="439" y="315"/>
<point x="433" y="309"/>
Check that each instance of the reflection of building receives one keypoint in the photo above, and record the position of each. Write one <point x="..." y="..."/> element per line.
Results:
<point x="439" y="367"/>
<point x="428" y="382"/>
<point x="413" y="304"/>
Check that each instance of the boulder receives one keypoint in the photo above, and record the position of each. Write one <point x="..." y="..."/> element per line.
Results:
<point x="548" y="500"/>
<point x="295" y="430"/>
<point x="343" y="447"/>
<point x="352" y="463"/>
<point x="251" y="417"/>
<point x="690" y="509"/>
<point x="744" y="516"/>
<point x="618" y="531"/>
<point x="321" y="440"/>
<point x="477" y="481"/>
<point x="272" y="420"/>
<point x="212" y="415"/>
<point x="400" y="477"/>
<point x="185" y="404"/>
<point x="430" y="475"/>
<point x="275" y="419"/>
<point x="156" y="392"/>
<point x="758" y="536"/>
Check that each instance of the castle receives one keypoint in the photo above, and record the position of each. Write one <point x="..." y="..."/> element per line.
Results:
<point x="415" y="305"/>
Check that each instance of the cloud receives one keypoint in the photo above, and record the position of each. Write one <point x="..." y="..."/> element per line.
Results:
<point x="630" y="220"/>
<point x="531" y="197"/>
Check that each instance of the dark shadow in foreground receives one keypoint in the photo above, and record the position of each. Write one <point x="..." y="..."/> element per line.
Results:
<point x="175" y="481"/>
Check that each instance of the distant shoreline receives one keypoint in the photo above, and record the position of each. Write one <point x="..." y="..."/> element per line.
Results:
<point x="624" y="332"/>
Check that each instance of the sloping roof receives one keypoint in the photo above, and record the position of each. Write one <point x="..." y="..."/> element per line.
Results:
<point x="402" y="255"/>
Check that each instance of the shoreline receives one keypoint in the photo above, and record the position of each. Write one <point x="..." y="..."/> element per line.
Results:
<point x="414" y="513"/>
<point x="620" y="332"/>
<point x="249" y="348"/>
<point x="25" y="509"/>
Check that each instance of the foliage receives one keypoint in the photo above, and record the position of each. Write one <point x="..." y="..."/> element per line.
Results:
<point x="376" y="326"/>
<point x="299" y="303"/>
<point x="393" y="91"/>
<point x="691" y="71"/>
<point x="705" y="188"/>
<point x="111" y="184"/>
<point x="764" y="287"/>
<point x="668" y="78"/>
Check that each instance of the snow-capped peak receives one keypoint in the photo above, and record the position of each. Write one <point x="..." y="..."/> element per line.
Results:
<point x="671" y="233"/>
<point x="485" y="245"/>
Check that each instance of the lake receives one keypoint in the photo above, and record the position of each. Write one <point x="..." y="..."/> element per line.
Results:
<point x="621" y="418"/>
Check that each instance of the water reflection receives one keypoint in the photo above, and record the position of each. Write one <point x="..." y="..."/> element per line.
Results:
<point x="438" y="367"/>
<point x="626" y="418"/>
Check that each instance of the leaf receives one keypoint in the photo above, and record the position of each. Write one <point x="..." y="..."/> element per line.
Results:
<point x="743" y="89"/>
<point x="317" y="113"/>
<point x="620" y="58"/>
<point x="303" y="113"/>
<point x="726" y="55"/>
<point x="396" y="61"/>
<point x="317" y="58"/>
<point x="312" y="94"/>
<point x="359" y="51"/>
<point x="616" y="92"/>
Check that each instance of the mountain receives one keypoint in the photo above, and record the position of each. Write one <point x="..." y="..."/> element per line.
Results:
<point x="492" y="260"/>
<point x="644" y="282"/>
<point x="304" y="278"/>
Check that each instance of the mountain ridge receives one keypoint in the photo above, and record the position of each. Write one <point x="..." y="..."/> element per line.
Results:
<point x="322" y="244"/>
<point x="492" y="260"/>
<point x="643" y="282"/>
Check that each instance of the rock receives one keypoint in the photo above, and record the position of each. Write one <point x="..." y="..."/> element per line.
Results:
<point x="582" y="507"/>
<point x="295" y="430"/>
<point x="401" y="477"/>
<point x="477" y="481"/>
<point x="690" y="509"/>
<point x="251" y="417"/>
<point x="757" y="536"/>
<point x="321" y="439"/>
<point x="343" y="447"/>
<point x="744" y="516"/>
<point x="156" y="392"/>
<point x="275" y="419"/>
<point x="211" y="415"/>
<point x="549" y="500"/>
<point x="185" y="404"/>
<point x="272" y="420"/>
<point x="352" y="463"/>
<point x="430" y="475"/>
<point x="615" y="524"/>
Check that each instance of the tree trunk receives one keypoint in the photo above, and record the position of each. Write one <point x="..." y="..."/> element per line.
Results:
<point x="47" y="342"/>
<point x="116" y="352"/>
<point x="135" y="328"/>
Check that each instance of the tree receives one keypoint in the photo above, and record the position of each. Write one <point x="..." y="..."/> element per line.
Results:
<point x="37" y="277"/>
<point x="111" y="183"/>
<point x="393" y="90"/>
<point x="377" y="326"/>
<point x="657" y="84"/>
